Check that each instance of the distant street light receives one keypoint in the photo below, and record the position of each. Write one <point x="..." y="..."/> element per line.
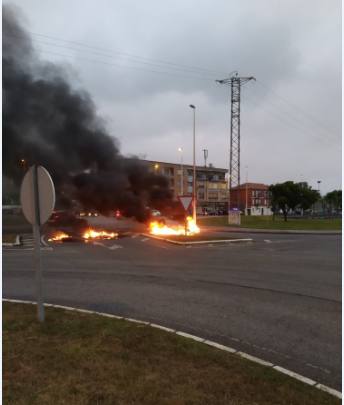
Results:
<point x="194" y="165"/>
<point x="156" y="166"/>
<point x="319" y="181"/>
<point x="246" y="204"/>
<point x="181" y="171"/>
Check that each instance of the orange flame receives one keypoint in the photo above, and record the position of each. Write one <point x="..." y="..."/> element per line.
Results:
<point x="91" y="234"/>
<point x="59" y="236"/>
<point x="157" y="228"/>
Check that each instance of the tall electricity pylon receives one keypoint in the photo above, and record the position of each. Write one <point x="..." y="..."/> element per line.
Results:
<point x="234" y="152"/>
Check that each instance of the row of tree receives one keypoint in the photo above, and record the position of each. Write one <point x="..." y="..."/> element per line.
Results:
<point x="290" y="196"/>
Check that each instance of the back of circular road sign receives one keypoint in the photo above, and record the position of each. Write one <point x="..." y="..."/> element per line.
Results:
<point x="46" y="192"/>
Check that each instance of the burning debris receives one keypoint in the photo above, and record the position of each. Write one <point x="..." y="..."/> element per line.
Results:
<point x="59" y="237"/>
<point x="89" y="235"/>
<point x="189" y="229"/>
<point x="48" y="122"/>
<point x="92" y="234"/>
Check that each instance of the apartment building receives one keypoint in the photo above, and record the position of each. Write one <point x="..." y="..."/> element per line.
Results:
<point x="251" y="198"/>
<point x="211" y="184"/>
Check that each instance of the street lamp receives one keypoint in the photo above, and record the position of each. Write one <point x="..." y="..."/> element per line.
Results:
<point x="319" y="181"/>
<point x="194" y="166"/>
<point x="181" y="171"/>
<point x="246" y="204"/>
<point x="156" y="167"/>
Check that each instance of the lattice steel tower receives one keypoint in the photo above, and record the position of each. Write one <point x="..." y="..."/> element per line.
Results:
<point x="234" y="152"/>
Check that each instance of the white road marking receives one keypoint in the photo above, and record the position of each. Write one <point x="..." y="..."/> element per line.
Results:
<point x="113" y="247"/>
<point x="267" y="241"/>
<point x="135" y="235"/>
<point x="144" y="239"/>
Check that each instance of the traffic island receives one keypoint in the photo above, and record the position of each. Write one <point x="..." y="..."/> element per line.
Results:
<point x="198" y="239"/>
<point x="80" y="358"/>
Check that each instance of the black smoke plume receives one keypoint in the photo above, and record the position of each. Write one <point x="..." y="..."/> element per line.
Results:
<point x="47" y="122"/>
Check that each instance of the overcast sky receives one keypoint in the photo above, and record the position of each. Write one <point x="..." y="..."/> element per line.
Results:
<point x="144" y="62"/>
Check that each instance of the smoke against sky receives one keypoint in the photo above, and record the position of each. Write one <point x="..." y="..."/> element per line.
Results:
<point x="291" y="116"/>
<point x="46" y="121"/>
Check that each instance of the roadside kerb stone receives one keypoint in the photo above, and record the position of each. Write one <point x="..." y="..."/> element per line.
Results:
<point x="246" y="356"/>
<point x="198" y="242"/>
<point x="268" y="231"/>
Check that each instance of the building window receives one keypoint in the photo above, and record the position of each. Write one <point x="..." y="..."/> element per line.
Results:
<point x="190" y="179"/>
<point x="190" y="188"/>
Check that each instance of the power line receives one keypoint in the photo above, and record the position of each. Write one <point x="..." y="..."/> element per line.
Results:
<point x="128" y="66"/>
<point x="296" y="108"/>
<point x="172" y="71"/>
<point x="282" y="118"/>
<point x="138" y="57"/>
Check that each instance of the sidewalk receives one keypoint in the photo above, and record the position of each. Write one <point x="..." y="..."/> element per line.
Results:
<point x="268" y="231"/>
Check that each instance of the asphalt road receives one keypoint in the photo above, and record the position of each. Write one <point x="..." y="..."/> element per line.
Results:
<point x="278" y="298"/>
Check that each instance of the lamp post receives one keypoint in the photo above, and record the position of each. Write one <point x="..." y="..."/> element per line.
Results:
<point x="319" y="181"/>
<point x="181" y="171"/>
<point x="246" y="200"/>
<point x="194" y="166"/>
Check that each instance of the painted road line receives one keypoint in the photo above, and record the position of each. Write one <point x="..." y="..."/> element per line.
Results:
<point x="144" y="239"/>
<point x="291" y="374"/>
<point x="267" y="241"/>
<point x="135" y="235"/>
<point x="43" y="241"/>
<point x="115" y="246"/>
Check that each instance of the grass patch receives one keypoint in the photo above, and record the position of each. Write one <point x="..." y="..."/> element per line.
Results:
<point x="266" y="222"/>
<point x="78" y="358"/>
<point x="9" y="237"/>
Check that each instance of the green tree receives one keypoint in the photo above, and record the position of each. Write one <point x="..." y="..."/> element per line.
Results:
<point x="334" y="199"/>
<point x="289" y="195"/>
<point x="307" y="196"/>
<point x="284" y="196"/>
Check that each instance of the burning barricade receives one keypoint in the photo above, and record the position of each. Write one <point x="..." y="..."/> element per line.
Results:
<point x="160" y="228"/>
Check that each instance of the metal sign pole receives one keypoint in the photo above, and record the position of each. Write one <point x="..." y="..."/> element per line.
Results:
<point x="37" y="243"/>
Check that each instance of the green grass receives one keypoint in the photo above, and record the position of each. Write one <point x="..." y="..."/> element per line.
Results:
<point x="266" y="222"/>
<point x="78" y="358"/>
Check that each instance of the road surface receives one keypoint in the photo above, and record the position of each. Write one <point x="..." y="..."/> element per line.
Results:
<point x="277" y="298"/>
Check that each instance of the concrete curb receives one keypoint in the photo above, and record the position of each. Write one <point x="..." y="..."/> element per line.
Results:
<point x="268" y="231"/>
<point x="201" y="242"/>
<point x="16" y="243"/>
<point x="228" y="349"/>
